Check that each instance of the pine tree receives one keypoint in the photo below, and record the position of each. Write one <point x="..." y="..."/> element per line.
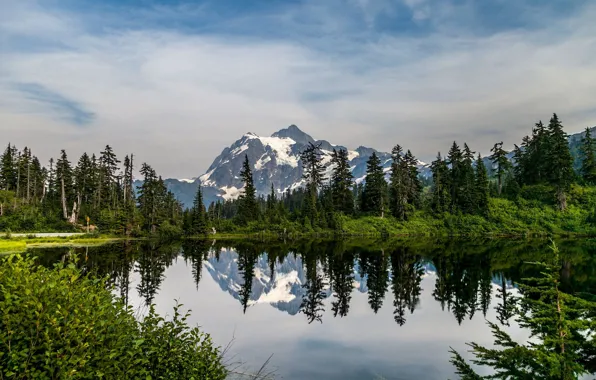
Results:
<point x="373" y="196"/>
<point x="85" y="185"/>
<point x="64" y="182"/>
<point x="341" y="182"/>
<point x="198" y="214"/>
<point x="248" y="209"/>
<point x="455" y="159"/>
<point x="441" y="198"/>
<point x="313" y="174"/>
<point x="414" y="187"/>
<point x="398" y="182"/>
<point x="588" y="158"/>
<point x="560" y="326"/>
<point x="468" y="202"/>
<point x="481" y="188"/>
<point x="108" y="178"/>
<point x="8" y="177"/>
<point x="501" y="164"/>
<point x="560" y="161"/>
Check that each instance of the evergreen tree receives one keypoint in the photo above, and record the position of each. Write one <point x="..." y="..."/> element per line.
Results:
<point x="455" y="159"/>
<point x="468" y="201"/>
<point x="441" y="195"/>
<point x="64" y="182"/>
<point x="248" y="209"/>
<point x="560" y="326"/>
<point x="398" y="180"/>
<point x="108" y="179"/>
<point x="198" y="214"/>
<point x="560" y="161"/>
<point x="375" y="188"/>
<point x="481" y="188"/>
<point x="8" y="176"/>
<point x="588" y="158"/>
<point x="341" y="182"/>
<point x="313" y="174"/>
<point x="500" y="163"/>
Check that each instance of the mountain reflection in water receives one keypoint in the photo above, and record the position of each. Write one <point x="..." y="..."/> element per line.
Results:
<point x="336" y="309"/>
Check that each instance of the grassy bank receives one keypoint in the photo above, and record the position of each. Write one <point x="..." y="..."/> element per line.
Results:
<point x="19" y="244"/>
<point x="505" y="218"/>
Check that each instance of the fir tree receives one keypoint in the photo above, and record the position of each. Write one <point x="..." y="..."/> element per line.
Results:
<point x="441" y="198"/>
<point x="560" y="161"/>
<point x="500" y="163"/>
<point x="248" y="209"/>
<point x="64" y="182"/>
<point x="373" y="196"/>
<point x="198" y="214"/>
<point x="341" y="182"/>
<point x="313" y="174"/>
<point x="468" y="201"/>
<point x="560" y="326"/>
<point x="8" y="177"/>
<point x="588" y="158"/>
<point x="398" y="182"/>
<point x="455" y="159"/>
<point x="481" y="187"/>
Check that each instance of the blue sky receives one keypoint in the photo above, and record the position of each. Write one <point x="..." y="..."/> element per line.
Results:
<point x="159" y="78"/>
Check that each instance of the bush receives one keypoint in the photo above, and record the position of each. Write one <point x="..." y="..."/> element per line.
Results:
<point x="59" y="323"/>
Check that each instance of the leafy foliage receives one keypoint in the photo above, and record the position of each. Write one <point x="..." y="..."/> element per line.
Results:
<point x="60" y="323"/>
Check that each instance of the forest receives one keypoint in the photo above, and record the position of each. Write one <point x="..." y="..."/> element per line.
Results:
<point x="537" y="188"/>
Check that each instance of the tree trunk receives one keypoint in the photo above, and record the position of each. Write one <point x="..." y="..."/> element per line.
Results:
<point x="562" y="199"/>
<point x="28" y="180"/>
<point x="64" y="210"/>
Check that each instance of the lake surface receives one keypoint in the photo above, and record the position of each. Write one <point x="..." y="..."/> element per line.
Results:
<point x="336" y="309"/>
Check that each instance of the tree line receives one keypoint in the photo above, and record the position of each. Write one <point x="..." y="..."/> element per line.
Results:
<point x="61" y="195"/>
<point x="98" y="190"/>
<point x="462" y="182"/>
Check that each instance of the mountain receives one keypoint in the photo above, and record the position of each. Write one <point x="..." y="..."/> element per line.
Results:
<point x="282" y="290"/>
<point x="276" y="161"/>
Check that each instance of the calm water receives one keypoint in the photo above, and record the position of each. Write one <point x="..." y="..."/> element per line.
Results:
<point x="336" y="310"/>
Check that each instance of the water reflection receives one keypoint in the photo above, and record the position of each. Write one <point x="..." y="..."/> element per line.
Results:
<point x="298" y="277"/>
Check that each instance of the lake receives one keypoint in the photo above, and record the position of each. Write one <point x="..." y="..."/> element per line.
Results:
<point x="353" y="309"/>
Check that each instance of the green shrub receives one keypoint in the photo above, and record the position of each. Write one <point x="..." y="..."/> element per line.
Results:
<point x="58" y="324"/>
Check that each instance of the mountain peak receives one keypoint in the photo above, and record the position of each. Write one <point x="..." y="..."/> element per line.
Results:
<point x="294" y="133"/>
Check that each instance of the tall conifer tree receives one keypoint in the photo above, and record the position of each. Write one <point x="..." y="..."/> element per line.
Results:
<point x="248" y="209"/>
<point x="560" y="161"/>
<point x="375" y="188"/>
<point x="588" y="158"/>
<point x="500" y="163"/>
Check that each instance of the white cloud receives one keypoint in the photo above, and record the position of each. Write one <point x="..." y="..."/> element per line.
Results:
<point x="176" y="98"/>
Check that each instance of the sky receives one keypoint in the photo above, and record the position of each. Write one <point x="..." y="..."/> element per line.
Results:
<point x="174" y="82"/>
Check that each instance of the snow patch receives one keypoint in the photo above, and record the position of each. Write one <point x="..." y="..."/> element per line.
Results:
<point x="240" y="149"/>
<point x="283" y="148"/>
<point x="231" y="192"/>
<point x="262" y="161"/>
<point x="280" y="292"/>
<point x="352" y="154"/>
<point x="188" y="180"/>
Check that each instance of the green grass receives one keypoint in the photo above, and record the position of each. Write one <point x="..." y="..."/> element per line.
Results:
<point x="12" y="246"/>
<point x="505" y="218"/>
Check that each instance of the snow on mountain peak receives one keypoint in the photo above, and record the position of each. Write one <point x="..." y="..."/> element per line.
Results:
<point x="275" y="161"/>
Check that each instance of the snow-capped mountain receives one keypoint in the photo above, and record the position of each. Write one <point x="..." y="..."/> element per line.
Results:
<point x="282" y="289"/>
<point x="275" y="161"/>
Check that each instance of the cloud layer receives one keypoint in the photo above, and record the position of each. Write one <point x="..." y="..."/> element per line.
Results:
<point x="177" y="82"/>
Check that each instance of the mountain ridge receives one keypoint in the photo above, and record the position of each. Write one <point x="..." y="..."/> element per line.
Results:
<point x="276" y="161"/>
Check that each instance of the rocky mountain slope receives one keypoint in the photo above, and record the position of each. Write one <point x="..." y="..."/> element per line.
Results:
<point x="276" y="161"/>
